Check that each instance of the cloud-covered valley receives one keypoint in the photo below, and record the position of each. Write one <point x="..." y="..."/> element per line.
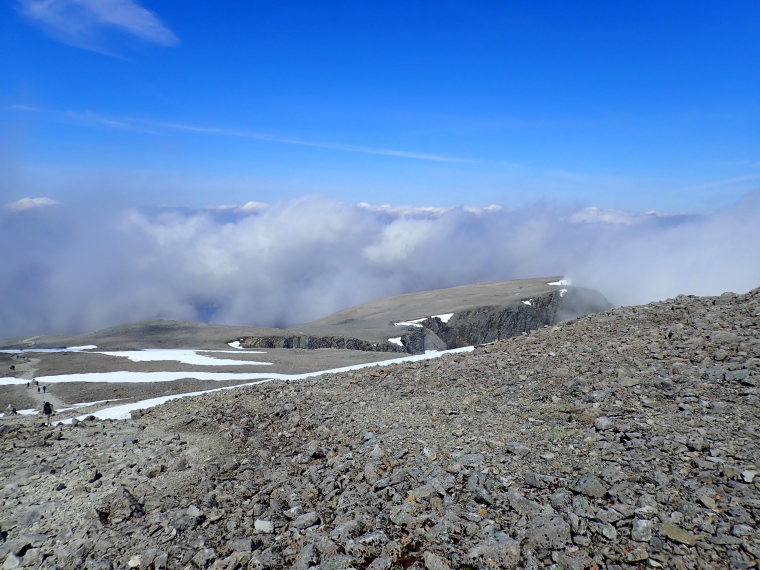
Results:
<point x="74" y="268"/>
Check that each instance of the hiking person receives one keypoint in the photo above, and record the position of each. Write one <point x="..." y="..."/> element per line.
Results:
<point x="47" y="409"/>
<point x="44" y="389"/>
<point x="38" y="389"/>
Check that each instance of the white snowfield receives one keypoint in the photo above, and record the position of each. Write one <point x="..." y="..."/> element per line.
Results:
<point x="560" y="283"/>
<point x="65" y="349"/>
<point x="123" y="411"/>
<point x="186" y="356"/>
<point x="189" y="357"/>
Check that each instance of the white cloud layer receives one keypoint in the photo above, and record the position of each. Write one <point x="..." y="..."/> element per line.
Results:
<point x="81" y="22"/>
<point x="74" y="268"/>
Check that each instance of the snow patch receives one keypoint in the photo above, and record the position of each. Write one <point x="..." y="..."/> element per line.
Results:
<point x="560" y="283"/>
<point x="396" y="340"/>
<point x="123" y="411"/>
<point x="184" y="356"/>
<point x="63" y="349"/>
<point x="416" y="322"/>
<point x="528" y="302"/>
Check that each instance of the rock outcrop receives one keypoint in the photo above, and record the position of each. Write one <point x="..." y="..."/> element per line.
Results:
<point x="313" y="342"/>
<point x="490" y="323"/>
<point x="626" y="439"/>
<point x="465" y="328"/>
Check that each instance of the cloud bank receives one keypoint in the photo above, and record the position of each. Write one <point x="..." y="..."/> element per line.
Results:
<point x="75" y="268"/>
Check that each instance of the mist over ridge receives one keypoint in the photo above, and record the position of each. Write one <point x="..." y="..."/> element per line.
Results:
<point x="75" y="267"/>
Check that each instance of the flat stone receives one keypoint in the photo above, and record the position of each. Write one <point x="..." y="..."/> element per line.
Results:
<point x="641" y="530"/>
<point x="434" y="562"/>
<point x="603" y="423"/>
<point x="749" y="475"/>
<point x="590" y="485"/>
<point x="263" y="526"/>
<point x="677" y="534"/>
<point x="306" y="520"/>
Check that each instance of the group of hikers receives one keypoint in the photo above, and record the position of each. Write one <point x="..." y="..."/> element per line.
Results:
<point x="47" y="407"/>
<point x="36" y="383"/>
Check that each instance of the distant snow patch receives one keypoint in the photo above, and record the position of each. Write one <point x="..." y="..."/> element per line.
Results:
<point x="123" y="411"/>
<point x="184" y="356"/>
<point x="528" y="302"/>
<point x="62" y="349"/>
<point x="560" y="283"/>
<point x="562" y="292"/>
<point x="396" y="340"/>
<point x="416" y="322"/>
<point x="235" y="344"/>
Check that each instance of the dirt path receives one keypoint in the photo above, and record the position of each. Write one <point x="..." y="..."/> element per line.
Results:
<point x="27" y="368"/>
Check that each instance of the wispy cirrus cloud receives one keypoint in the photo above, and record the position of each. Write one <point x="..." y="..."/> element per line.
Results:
<point x="31" y="203"/>
<point x="83" y="23"/>
<point x="152" y="127"/>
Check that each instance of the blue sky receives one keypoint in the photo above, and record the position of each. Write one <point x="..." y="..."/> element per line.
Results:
<point x="632" y="105"/>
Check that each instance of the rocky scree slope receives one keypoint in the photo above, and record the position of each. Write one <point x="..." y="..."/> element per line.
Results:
<point x="626" y="439"/>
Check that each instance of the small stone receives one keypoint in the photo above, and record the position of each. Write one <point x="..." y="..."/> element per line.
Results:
<point x="589" y="485"/>
<point x="629" y="382"/>
<point x="135" y="561"/>
<point x="518" y="448"/>
<point x="314" y="451"/>
<point x="641" y="531"/>
<point x="677" y="534"/>
<point x="471" y="459"/>
<point x="263" y="526"/>
<point x="377" y="452"/>
<point x="742" y="530"/>
<point x="434" y="562"/>
<point x="748" y="476"/>
<point x="306" y="520"/>
<point x="639" y="553"/>
<point x="12" y="561"/>
<point x="707" y="501"/>
<point x="603" y="423"/>
<point x="537" y="480"/>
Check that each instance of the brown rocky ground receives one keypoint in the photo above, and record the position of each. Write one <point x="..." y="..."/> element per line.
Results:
<point x="626" y="439"/>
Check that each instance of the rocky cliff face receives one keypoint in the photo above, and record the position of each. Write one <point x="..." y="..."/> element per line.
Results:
<point x="465" y="328"/>
<point x="315" y="342"/>
<point x="487" y="324"/>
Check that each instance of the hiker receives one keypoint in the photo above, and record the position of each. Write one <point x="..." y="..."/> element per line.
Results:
<point x="27" y="385"/>
<point x="38" y="389"/>
<point x="47" y="409"/>
<point x="44" y="389"/>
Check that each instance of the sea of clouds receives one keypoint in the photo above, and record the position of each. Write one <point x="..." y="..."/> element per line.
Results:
<point x="76" y="268"/>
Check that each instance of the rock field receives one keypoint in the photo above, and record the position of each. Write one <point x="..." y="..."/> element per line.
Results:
<point x="625" y="439"/>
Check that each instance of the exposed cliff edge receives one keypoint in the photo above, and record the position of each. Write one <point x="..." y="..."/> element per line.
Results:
<point x="467" y="327"/>
<point x="312" y="342"/>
